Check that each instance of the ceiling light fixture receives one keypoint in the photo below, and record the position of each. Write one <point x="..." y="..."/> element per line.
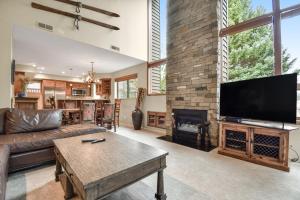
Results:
<point x="33" y="65"/>
<point x="91" y="78"/>
<point x="63" y="72"/>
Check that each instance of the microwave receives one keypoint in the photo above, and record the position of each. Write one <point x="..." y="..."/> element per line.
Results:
<point x="79" y="92"/>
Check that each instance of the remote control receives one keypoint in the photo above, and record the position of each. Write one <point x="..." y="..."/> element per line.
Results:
<point x="99" y="140"/>
<point x="88" y="140"/>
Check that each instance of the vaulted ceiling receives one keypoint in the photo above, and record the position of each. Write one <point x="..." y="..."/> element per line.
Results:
<point x="50" y="54"/>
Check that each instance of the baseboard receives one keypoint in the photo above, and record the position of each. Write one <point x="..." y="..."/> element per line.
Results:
<point x="146" y="128"/>
<point x="155" y="130"/>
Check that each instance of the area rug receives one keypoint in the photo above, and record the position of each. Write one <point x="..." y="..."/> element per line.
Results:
<point x="38" y="183"/>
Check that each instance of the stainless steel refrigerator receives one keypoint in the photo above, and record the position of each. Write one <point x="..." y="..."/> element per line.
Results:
<point x="50" y="92"/>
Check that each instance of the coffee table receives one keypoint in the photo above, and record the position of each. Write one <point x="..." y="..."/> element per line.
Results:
<point x="94" y="171"/>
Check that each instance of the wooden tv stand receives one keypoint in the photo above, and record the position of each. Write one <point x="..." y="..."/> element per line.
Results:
<point x="257" y="144"/>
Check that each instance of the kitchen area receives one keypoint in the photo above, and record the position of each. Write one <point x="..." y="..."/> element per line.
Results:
<point x="78" y="100"/>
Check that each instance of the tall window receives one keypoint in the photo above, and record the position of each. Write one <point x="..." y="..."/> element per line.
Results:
<point x="157" y="77"/>
<point x="157" y="30"/>
<point x="158" y="47"/>
<point x="263" y="38"/>
<point x="256" y="46"/>
<point x="126" y="87"/>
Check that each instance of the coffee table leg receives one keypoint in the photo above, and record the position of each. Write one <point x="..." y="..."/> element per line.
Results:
<point x="69" y="193"/>
<point x="160" y="195"/>
<point x="58" y="170"/>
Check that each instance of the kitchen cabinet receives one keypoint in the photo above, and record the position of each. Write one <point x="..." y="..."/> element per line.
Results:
<point x="60" y="85"/>
<point x="76" y="85"/>
<point x="104" y="87"/>
<point x="69" y="86"/>
<point x="48" y="83"/>
<point x="26" y="103"/>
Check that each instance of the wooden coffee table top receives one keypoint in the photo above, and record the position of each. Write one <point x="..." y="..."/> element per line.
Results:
<point x="92" y="163"/>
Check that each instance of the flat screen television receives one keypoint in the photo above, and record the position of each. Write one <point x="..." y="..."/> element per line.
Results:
<point x="271" y="98"/>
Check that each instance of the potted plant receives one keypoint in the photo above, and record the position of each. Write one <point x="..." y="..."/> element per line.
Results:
<point x="24" y="84"/>
<point x="137" y="114"/>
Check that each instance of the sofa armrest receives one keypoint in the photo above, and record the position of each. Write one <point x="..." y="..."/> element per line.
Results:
<point x="4" y="155"/>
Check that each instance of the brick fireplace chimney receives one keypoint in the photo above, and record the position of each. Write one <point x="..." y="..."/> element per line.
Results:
<point x="194" y="55"/>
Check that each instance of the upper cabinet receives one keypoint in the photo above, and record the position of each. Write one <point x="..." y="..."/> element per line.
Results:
<point x="18" y="83"/>
<point x="48" y="83"/>
<point x="61" y="85"/>
<point x="104" y="87"/>
<point x="75" y="85"/>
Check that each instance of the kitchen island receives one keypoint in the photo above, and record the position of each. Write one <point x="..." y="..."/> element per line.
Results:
<point x="78" y="110"/>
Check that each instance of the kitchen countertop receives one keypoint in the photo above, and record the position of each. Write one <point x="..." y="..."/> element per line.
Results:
<point x="71" y="98"/>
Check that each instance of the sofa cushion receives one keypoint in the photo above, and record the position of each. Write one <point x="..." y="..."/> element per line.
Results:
<point x="24" y="142"/>
<point x="2" y="118"/>
<point x="4" y="155"/>
<point x="21" y="121"/>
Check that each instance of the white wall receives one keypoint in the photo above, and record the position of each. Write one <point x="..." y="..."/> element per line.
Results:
<point x="151" y="103"/>
<point x="131" y="38"/>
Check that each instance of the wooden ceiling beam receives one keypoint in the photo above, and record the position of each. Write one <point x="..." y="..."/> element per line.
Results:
<point x="71" y="15"/>
<point x="79" y="4"/>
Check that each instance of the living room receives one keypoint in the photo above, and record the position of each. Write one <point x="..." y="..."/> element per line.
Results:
<point x="149" y="99"/>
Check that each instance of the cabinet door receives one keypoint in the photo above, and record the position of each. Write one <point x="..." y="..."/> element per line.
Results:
<point x="61" y="85"/>
<point x="152" y="119"/>
<point x="98" y="89"/>
<point x="161" y="120"/>
<point x="69" y="89"/>
<point x="236" y="139"/>
<point x="49" y="83"/>
<point x="267" y="145"/>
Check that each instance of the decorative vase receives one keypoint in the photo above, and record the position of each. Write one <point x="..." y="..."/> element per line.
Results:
<point x="22" y="94"/>
<point x="137" y="119"/>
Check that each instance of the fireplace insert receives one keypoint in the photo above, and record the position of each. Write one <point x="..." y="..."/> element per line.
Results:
<point x="191" y="128"/>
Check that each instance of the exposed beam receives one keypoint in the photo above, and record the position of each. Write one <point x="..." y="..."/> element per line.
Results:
<point x="260" y="21"/>
<point x="71" y="15"/>
<point x="79" y="4"/>
<point x="277" y="37"/>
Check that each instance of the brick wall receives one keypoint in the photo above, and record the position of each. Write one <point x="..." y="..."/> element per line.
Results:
<point x="194" y="57"/>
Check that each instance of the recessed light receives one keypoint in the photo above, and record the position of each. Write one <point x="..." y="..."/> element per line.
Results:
<point x="40" y="72"/>
<point x="83" y="73"/>
<point x="33" y="65"/>
<point x="41" y="68"/>
<point x="62" y="72"/>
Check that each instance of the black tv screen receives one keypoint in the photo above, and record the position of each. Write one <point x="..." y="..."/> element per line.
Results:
<point x="271" y="98"/>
